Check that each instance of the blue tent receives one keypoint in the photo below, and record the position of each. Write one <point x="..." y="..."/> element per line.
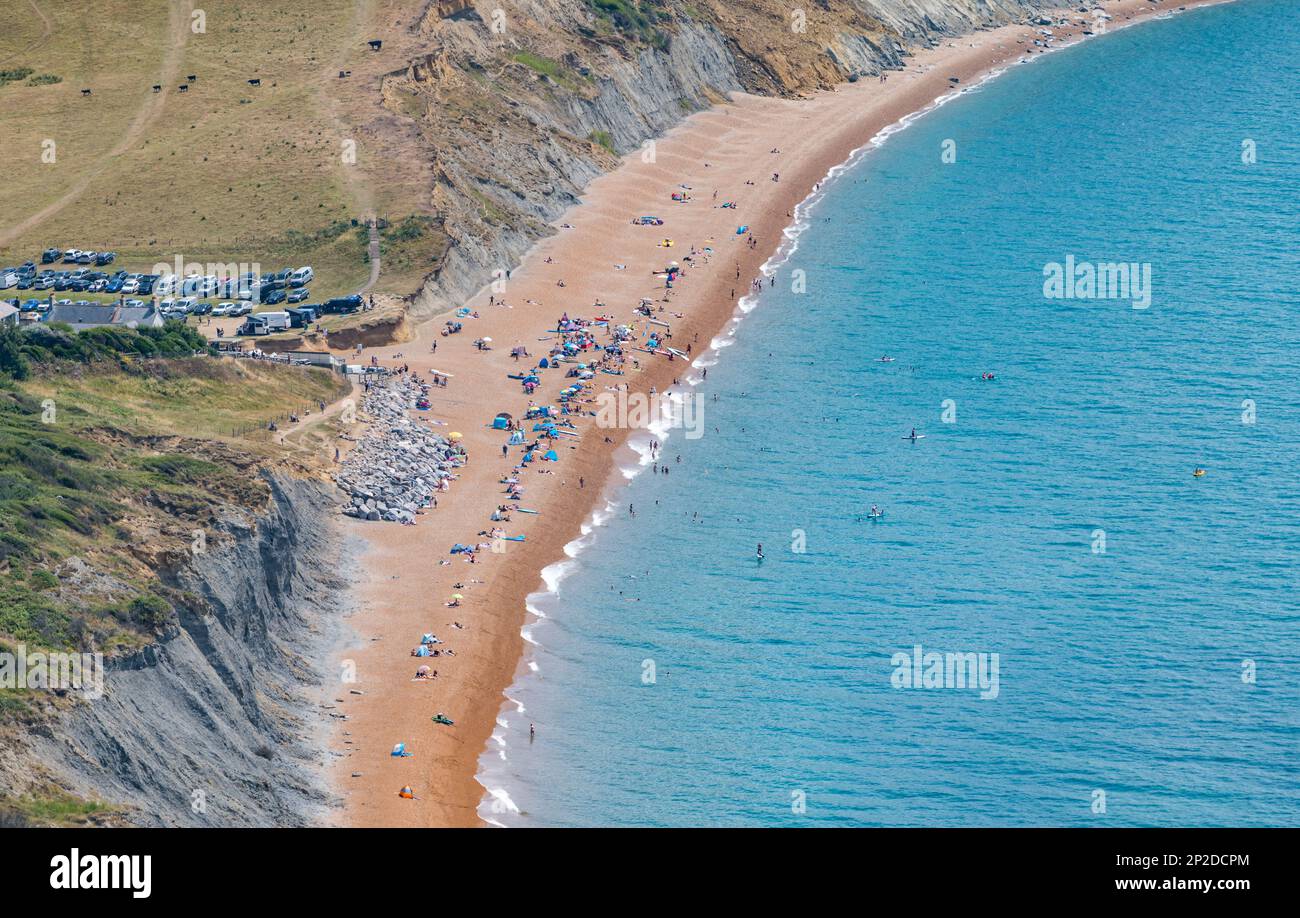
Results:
<point x="550" y="454"/>
<point x="422" y="651"/>
<point x="399" y="751"/>
<point x="500" y="423"/>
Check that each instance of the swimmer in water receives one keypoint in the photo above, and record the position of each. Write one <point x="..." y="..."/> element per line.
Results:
<point x="760" y="551"/>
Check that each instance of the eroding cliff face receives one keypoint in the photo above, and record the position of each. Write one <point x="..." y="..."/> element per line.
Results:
<point x="221" y="721"/>
<point x="517" y="109"/>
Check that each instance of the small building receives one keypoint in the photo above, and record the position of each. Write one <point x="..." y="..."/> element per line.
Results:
<point x="318" y="358"/>
<point x="8" y="314"/>
<point x="82" y="318"/>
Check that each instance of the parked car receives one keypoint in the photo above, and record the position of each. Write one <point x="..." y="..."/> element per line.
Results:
<point x="301" y="277"/>
<point x="71" y="255"/>
<point x="186" y="304"/>
<point x="201" y="309"/>
<point x="8" y="278"/>
<point x="133" y="304"/>
<point x="146" y="284"/>
<point x="105" y="258"/>
<point x="85" y="258"/>
<point x="274" y="297"/>
<point x="343" y="304"/>
<point x="297" y="296"/>
<point x="130" y="285"/>
<point x="50" y="256"/>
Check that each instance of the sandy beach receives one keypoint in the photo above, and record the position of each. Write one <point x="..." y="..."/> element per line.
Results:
<point x="600" y="256"/>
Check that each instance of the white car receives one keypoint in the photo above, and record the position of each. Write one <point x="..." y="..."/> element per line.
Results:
<point x="131" y="285"/>
<point x="224" y="309"/>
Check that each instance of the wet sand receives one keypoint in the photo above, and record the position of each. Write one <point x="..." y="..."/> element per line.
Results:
<point x="404" y="591"/>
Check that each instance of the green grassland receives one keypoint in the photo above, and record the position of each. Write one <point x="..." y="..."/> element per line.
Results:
<point x="117" y="463"/>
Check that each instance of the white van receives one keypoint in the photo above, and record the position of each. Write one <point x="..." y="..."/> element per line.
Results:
<point x="186" y="304"/>
<point x="165" y="285"/>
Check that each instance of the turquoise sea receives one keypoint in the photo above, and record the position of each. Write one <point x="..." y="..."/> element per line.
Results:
<point x="1146" y="622"/>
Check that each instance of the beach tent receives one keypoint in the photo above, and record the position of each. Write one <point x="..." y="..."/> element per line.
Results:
<point x="423" y="651"/>
<point x="500" y="423"/>
<point x="406" y="793"/>
<point x="428" y="639"/>
<point x="516" y="438"/>
<point x="399" y="752"/>
<point x="550" y="454"/>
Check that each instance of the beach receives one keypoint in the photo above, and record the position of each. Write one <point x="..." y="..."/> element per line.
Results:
<point x="600" y="256"/>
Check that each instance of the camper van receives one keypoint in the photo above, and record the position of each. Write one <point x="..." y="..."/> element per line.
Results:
<point x="265" y="323"/>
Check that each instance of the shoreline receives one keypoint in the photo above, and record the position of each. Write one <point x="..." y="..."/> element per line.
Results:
<point x="819" y="138"/>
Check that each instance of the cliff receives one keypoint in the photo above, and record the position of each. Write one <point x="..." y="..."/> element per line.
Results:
<point x="206" y="725"/>
<point x="512" y="113"/>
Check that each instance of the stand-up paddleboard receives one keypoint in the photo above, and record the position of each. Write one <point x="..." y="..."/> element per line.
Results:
<point x="914" y="439"/>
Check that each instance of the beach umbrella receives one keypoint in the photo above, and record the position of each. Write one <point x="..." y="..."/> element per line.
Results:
<point x="454" y="435"/>
<point x="487" y="340"/>
<point x="457" y="596"/>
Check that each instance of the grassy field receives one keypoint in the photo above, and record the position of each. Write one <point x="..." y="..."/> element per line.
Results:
<point x="224" y="172"/>
<point x="118" y="463"/>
